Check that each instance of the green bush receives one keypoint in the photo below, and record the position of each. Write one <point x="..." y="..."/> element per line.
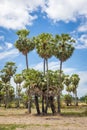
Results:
<point x="68" y="99"/>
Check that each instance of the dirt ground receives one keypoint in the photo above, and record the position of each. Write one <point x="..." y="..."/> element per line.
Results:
<point x="44" y="122"/>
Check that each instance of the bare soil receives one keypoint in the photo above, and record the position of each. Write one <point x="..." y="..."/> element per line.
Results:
<point x="34" y="122"/>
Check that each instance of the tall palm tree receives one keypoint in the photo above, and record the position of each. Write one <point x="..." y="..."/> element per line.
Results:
<point x="63" y="51"/>
<point x="74" y="82"/>
<point x="44" y="43"/>
<point x="24" y="44"/>
<point x="18" y="79"/>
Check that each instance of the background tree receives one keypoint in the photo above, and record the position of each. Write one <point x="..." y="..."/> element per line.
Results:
<point x="84" y="99"/>
<point x="18" y="79"/>
<point x="24" y="44"/>
<point x="63" y="51"/>
<point x="1" y="92"/>
<point x="67" y="82"/>
<point x="68" y="99"/>
<point x="74" y="84"/>
<point x="6" y="73"/>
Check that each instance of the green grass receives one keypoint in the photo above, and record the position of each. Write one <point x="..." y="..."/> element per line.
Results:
<point x="65" y="111"/>
<point x="11" y="126"/>
<point x="14" y="126"/>
<point x="74" y="111"/>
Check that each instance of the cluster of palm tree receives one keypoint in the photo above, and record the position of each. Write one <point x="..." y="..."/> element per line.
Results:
<point x="47" y="85"/>
<point x="71" y="83"/>
<point x="7" y="90"/>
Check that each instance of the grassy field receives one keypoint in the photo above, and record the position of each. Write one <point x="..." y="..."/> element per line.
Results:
<point x="71" y="118"/>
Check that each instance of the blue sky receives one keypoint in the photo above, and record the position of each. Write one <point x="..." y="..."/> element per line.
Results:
<point x="49" y="16"/>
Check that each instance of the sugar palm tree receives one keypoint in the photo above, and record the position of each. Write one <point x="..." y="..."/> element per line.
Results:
<point x="31" y="83"/>
<point x="44" y="43"/>
<point x="1" y="92"/>
<point x="18" y="79"/>
<point x="24" y="44"/>
<point x="6" y="73"/>
<point x="74" y="82"/>
<point x="67" y="82"/>
<point x="63" y="51"/>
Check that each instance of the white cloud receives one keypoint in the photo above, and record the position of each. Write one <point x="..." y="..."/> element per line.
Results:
<point x="8" y="54"/>
<point x="66" y="10"/>
<point x="82" y="42"/>
<point x="82" y="28"/>
<point x="2" y="38"/>
<point x="52" y="66"/>
<point x="16" y="14"/>
<point x="39" y="66"/>
<point x="1" y="48"/>
<point x="82" y="87"/>
<point x="69" y="70"/>
<point x="8" y="45"/>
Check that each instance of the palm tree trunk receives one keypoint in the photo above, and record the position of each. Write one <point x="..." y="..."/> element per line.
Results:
<point x="6" y="99"/>
<point x="43" y="110"/>
<point x="76" y="100"/>
<point x="19" y="96"/>
<point x="26" y="60"/>
<point x="59" y="90"/>
<point x="44" y="66"/>
<point x="58" y="102"/>
<point x="52" y="104"/>
<point x="29" y="106"/>
<point x="43" y="103"/>
<point x="47" y="101"/>
<point x="37" y="104"/>
<point x="29" y="101"/>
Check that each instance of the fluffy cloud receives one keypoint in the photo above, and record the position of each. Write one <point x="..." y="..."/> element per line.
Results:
<point x="8" y="54"/>
<point x="1" y="48"/>
<point x="16" y="14"/>
<point x="82" y="88"/>
<point x="82" y="28"/>
<point x="66" y="10"/>
<point x="52" y="66"/>
<point x="83" y="42"/>
<point x="1" y="38"/>
<point x="8" y="45"/>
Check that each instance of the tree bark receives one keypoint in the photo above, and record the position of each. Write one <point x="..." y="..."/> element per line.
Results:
<point x="58" y="102"/>
<point x="43" y="103"/>
<point x="58" y="97"/>
<point x="29" y="106"/>
<point x="37" y="104"/>
<point x="26" y="61"/>
<point x="29" y="101"/>
<point x="76" y="100"/>
<point x="47" y="99"/>
<point x="52" y="104"/>
<point x="44" y="66"/>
